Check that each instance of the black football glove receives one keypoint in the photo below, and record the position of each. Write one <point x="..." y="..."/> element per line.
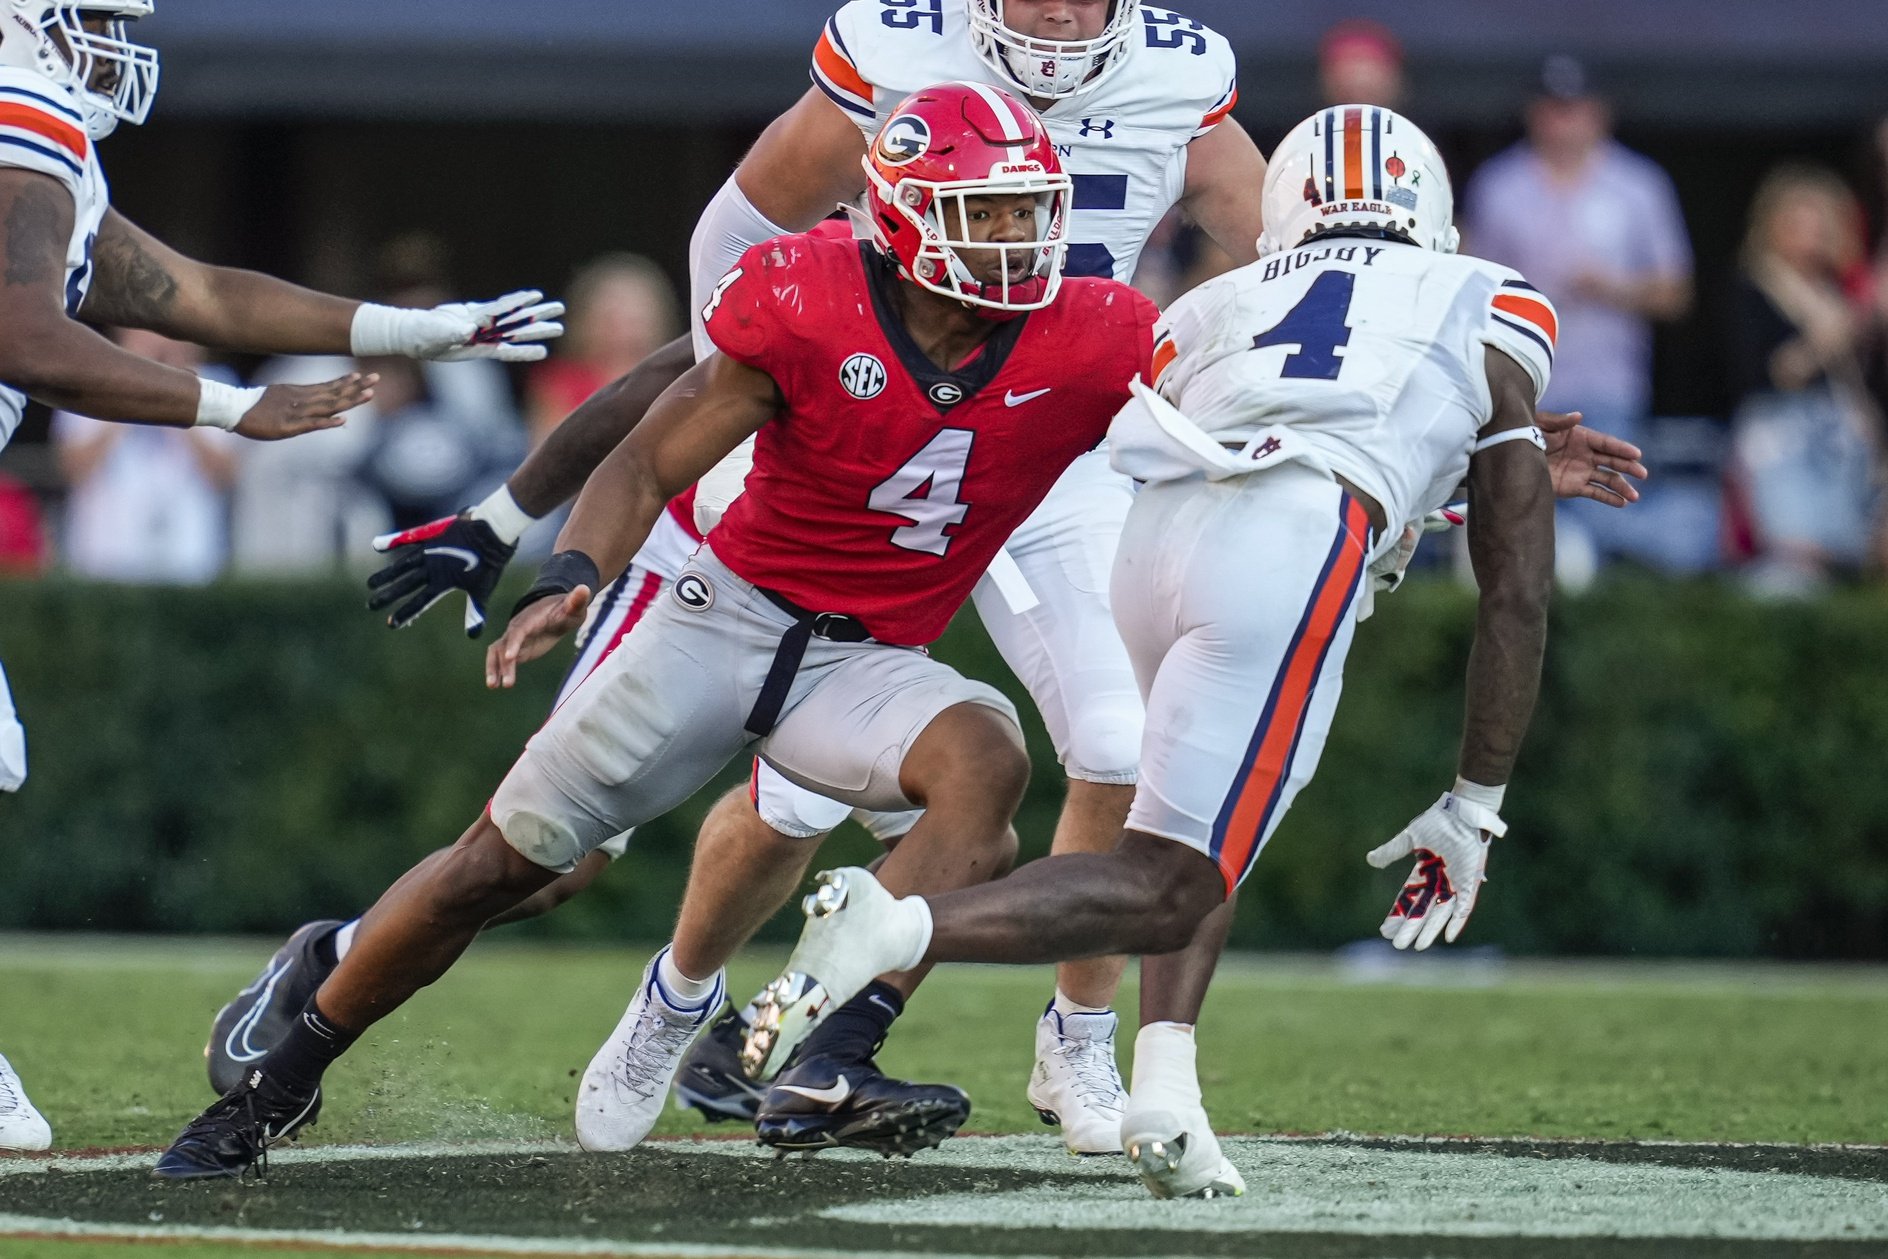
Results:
<point x="433" y="560"/>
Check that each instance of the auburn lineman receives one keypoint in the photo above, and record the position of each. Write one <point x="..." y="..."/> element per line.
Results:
<point x="1308" y="405"/>
<point x="869" y="370"/>
<point x="69" y="74"/>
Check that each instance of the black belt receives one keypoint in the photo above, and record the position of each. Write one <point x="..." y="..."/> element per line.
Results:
<point x="833" y="626"/>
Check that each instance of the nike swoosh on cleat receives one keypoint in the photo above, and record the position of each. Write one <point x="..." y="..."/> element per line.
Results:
<point x="838" y="1093"/>
<point x="1014" y="399"/>
<point x="464" y="556"/>
<point x="237" y="1044"/>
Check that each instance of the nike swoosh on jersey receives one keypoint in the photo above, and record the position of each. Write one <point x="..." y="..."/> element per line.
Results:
<point x="464" y="556"/>
<point x="838" y="1093"/>
<point x="1014" y="399"/>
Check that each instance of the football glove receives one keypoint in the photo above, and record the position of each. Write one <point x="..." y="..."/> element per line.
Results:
<point x="1387" y="571"/>
<point x="508" y="329"/>
<point x="432" y="561"/>
<point x="1450" y="843"/>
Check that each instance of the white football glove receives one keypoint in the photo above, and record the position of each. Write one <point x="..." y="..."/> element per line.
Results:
<point x="1450" y="843"/>
<point x="1386" y="572"/>
<point x="508" y="329"/>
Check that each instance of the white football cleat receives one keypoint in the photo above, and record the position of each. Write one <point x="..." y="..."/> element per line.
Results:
<point x="1075" y="1083"/>
<point x="1177" y="1154"/>
<point x="21" y="1127"/>
<point x="626" y="1084"/>
<point x="855" y="931"/>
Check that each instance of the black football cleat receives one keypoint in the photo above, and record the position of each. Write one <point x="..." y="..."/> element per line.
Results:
<point x="711" y="1079"/>
<point x="258" y="1018"/>
<point x="823" y="1102"/>
<point x="233" y="1136"/>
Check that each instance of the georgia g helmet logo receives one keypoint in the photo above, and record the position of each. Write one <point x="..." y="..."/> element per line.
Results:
<point x="905" y="138"/>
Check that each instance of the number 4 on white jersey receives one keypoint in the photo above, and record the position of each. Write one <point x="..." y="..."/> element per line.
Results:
<point x="925" y="490"/>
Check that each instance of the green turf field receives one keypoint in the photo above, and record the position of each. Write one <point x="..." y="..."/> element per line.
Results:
<point x="108" y="1033"/>
<point x="474" y="1083"/>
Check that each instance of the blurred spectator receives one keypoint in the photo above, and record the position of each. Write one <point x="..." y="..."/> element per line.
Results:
<point x="1598" y="228"/>
<point x="428" y="458"/>
<point x="621" y="309"/>
<point x="1805" y="432"/>
<point x="146" y="504"/>
<point x="1361" y="63"/>
<point x="22" y="534"/>
<point x="307" y="506"/>
<point x="412" y="270"/>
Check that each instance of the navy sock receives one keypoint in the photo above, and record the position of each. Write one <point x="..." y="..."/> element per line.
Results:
<point x="325" y="954"/>
<point x="313" y="1041"/>
<point x="854" y="1031"/>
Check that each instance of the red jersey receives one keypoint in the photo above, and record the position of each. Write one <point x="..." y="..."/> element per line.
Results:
<point x="886" y="485"/>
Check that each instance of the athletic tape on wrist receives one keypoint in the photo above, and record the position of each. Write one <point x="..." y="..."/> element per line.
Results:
<point x="500" y="513"/>
<point x="223" y="406"/>
<point x="375" y="330"/>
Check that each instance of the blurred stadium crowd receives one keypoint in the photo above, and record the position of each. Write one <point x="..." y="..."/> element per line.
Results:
<point x="1783" y="489"/>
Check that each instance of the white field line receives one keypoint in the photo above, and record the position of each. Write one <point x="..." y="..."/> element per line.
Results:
<point x="1300" y="1186"/>
<point x="19" y="1227"/>
<point x="965" y="1151"/>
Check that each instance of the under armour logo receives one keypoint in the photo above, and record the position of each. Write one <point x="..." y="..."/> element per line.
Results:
<point x="1103" y="127"/>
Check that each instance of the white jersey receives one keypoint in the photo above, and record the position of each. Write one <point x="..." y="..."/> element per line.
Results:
<point x="1124" y="143"/>
<point x="1363" y="357"/>
<point x="42" y="130"/>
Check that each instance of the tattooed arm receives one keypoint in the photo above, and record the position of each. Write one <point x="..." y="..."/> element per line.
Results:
<point x="140" y="282"/>
<point x="52" y="357"/>
<point x="46" y="354"/>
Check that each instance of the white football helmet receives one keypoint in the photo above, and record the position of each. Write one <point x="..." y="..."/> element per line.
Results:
<point x="1050" y="69"/>
<point x="49" y="38"/>
<point x="1358" y="167"/>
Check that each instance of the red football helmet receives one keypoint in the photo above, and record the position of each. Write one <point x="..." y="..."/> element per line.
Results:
<point x="949" y="143"/>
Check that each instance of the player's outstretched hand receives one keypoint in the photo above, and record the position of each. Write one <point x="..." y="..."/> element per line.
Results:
<point x="1450" y="843"/>
<point x="291" y="410"/>
<point x="510" y="329"/>
<point x="1587" y="463"/>
<point x="534" y="630"/>
<point x="433" y="560"/>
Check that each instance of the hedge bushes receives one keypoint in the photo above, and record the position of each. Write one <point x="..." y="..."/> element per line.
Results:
<point x="1704" y="776"/>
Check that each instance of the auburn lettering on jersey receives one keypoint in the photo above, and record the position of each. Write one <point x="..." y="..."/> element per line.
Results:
<point x="1124" y="142"/>
<point x="887" y="485"/>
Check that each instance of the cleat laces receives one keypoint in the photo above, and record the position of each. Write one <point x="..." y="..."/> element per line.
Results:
<point x="1092" y="1071"/>
<point x="645" y="1066"/>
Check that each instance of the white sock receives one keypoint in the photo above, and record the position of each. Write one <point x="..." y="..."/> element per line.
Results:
<point x="1165" y="1064"/>
<point x="1066" y="1005"/>
<point x="689" y="992"/>
<point x="344" y="938"/>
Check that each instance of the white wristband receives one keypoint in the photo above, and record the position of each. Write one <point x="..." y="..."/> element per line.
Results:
<point x="375" y="330"/>
<point x="223" y="406"/>
<point x="500" y="511"/>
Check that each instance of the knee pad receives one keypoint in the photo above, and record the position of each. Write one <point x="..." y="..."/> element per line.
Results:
<point x="1105" y="740"/>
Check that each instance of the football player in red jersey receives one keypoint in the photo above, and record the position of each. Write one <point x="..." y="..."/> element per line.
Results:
<point x="915" y="397"/>
<point x="1139" y="102"/>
